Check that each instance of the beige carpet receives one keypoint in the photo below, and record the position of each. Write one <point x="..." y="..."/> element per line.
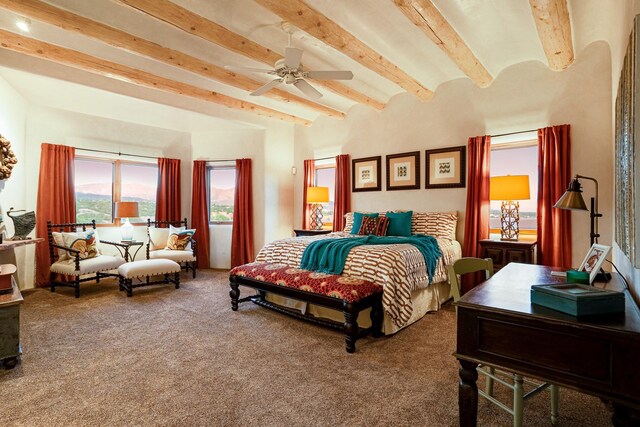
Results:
<point x="182" y="357"/>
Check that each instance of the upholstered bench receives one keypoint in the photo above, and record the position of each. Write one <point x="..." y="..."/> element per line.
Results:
<point x="146" y="269"/>
<point x="347" y="294"/>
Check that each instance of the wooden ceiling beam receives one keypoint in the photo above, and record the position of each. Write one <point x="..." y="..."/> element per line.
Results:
<point x="426" y="16"/>
<point x="68" y="21"/>
<point x="319" y="26"/>
<point x="554" y="29"/>
<point x="206" y="29"/>
<point x="73" y="58"/>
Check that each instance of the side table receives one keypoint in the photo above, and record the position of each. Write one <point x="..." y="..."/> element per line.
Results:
<point x="311" y="232"/>
<point x="10" y="327"/>
<point x="502" y="252"/>
<point x="127" y="244"/>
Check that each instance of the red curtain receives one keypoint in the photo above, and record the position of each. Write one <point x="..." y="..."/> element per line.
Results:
<point x="554" y="175"/>
<point x="342" y="199"/>
<point x="242" y="233"/>
<point x="168" y="193"/>
<point x="309" y="181"/>
<point x="476" y="223"/>
<point x="56" y="199"/>
<point x="200" y="212"/>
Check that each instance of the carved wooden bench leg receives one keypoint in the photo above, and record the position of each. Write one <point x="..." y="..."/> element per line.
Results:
<point x="234" y="293"/>
<point x="350" y="327"/>
<point x="376" y="316"/>
<point x="77" y="285"/>
<point x="177" y="280"/>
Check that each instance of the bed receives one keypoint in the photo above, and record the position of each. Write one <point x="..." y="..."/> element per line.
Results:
<point x="399" y="268"/>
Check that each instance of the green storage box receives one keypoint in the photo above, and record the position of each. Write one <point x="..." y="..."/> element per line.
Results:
<point x="577" y="300"/>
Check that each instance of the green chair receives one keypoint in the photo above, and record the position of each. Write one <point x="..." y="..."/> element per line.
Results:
<point x="513" y="381"/>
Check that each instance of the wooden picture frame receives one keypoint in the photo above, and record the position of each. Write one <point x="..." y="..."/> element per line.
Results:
<point x="446" y="167"/>
<point x="365" y="174"/>
<point x="403" y="171"/>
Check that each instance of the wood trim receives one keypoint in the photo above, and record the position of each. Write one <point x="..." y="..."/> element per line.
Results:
<point x="426" y="16"/>
<point x="73" y="58"/>
<point x="554" y="29"/>
<point x="206" y="29"/>
<point x="68" y="21"/>
<point x="319" y="26"/>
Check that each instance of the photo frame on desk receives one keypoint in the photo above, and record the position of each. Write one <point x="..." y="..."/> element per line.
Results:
<point x="593" y="261"/>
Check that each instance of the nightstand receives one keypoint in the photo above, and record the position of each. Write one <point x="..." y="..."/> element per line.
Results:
<point x="310" y="232"/>
<point x="503" y="252"/>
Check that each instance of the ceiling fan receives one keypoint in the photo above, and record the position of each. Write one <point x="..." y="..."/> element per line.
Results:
<point x="289" y="71"/>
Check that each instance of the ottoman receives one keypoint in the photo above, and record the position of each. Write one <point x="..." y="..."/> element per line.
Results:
<point x="146" y="269"/>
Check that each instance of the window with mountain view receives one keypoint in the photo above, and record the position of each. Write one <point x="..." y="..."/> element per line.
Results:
<point x="326" y="177"/>
<point x="518" y="160"/>
<point x="222" y="184"/>
<point x="100" y="183"/>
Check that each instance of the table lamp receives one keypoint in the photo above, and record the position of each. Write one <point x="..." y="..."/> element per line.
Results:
<point x="126" y="210"/>
<point x="316" y="196"/>
<point x="509" y="189"/>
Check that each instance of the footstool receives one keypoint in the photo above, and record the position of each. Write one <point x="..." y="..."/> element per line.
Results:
<point x="145" y="269"/>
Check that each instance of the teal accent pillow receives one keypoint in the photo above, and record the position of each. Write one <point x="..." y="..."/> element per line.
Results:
<point x="399" y="223"/>
<point x="357" y="220"/>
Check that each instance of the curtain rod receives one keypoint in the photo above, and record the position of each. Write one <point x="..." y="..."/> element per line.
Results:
<point x="114" y="152"/>
<point x="325" y="158"/>
<point x="514" y="133"/>
<point x="219" y="160"/>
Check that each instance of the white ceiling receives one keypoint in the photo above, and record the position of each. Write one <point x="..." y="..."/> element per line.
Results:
<point x="499" y="32"/>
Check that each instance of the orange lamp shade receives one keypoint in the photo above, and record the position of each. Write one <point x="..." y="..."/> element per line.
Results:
<point x="509" y="187"/>
<point x="318" y="195"/>
<point x="126" y="210"/>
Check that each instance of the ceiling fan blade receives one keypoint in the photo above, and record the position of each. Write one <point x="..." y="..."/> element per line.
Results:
<point x="267" y="87"/>
<point x="307" y="89"/>
<point x="248" y="69"/>
<point x="329" y="75"/>
<point x="292" y="57"/>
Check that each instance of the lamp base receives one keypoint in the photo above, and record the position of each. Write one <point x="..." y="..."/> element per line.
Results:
<point x="127" y="231"/>
<point x="509" y="220"/>
<point x="316" y="217"/>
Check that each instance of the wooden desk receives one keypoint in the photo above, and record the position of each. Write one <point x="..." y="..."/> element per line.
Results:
<point x="498" y="325"/>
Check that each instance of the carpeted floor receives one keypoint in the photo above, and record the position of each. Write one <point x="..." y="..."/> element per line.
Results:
<point x="182" y="357"/>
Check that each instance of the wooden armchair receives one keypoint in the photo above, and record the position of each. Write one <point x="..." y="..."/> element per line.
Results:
<point x="69" y="262"/>
<point x="156" y="245"/>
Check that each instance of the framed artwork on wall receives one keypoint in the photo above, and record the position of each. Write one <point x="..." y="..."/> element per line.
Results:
<point x="446" y="167"/>
<point x="365" y="174"/>
<point x="403" y="171"/>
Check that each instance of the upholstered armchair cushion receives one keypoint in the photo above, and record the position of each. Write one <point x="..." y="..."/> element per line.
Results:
<point x="87" y="266"/>
<point x="177" y="256"/>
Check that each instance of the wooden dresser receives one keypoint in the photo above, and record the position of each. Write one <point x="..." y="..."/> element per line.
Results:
<point x="503" y="252"/>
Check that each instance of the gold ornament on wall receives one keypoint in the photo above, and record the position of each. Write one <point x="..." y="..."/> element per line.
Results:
<point x="7" y="158"/>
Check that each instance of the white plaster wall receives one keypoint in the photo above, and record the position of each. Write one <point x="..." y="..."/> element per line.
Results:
<point x="13" y="116"/>
<point x="271" y="152"/>
<point x="522" y="97"/>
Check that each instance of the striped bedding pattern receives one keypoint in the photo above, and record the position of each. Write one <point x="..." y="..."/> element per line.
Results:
<point x="400" y="269"/>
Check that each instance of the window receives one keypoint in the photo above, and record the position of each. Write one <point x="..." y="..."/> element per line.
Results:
<point x="326" y="177"/>
<point x="517" y="159"/>
<point x="99" y="183"/>
<point x="222" y="185"/>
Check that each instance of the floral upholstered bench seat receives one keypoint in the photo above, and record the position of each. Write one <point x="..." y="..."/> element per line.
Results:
<point x="347" y="294"/>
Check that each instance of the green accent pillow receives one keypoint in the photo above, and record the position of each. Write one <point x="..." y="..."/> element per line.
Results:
<point x="399" y="223"/>
<point x="357" y="220"/>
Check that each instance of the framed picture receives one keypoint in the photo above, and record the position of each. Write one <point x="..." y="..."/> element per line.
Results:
<point x="446" y="167"/>
<point x="403" y="171"/>
<point x="365" y="174"/>
<point x="594" y="259"/>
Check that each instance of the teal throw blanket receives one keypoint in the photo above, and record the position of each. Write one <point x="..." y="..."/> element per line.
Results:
<point x="329" y="255"/>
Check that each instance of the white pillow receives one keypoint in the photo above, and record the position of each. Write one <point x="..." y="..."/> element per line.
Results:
<point x="58" y="240"/>
<point x="158" y="238"/>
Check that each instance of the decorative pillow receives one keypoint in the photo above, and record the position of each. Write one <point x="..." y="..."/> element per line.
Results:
<point x="179" y="238"/>
<point x="82" y="241"/>
<point x="158" y="238"/>
<point x="357" y="220"/>
<point x="399" y="223"/>
<point x="58" y="240"/>
<point x="348" y="222"/>
<point x="374" y="225"/>
<point x="436" y="224"/>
